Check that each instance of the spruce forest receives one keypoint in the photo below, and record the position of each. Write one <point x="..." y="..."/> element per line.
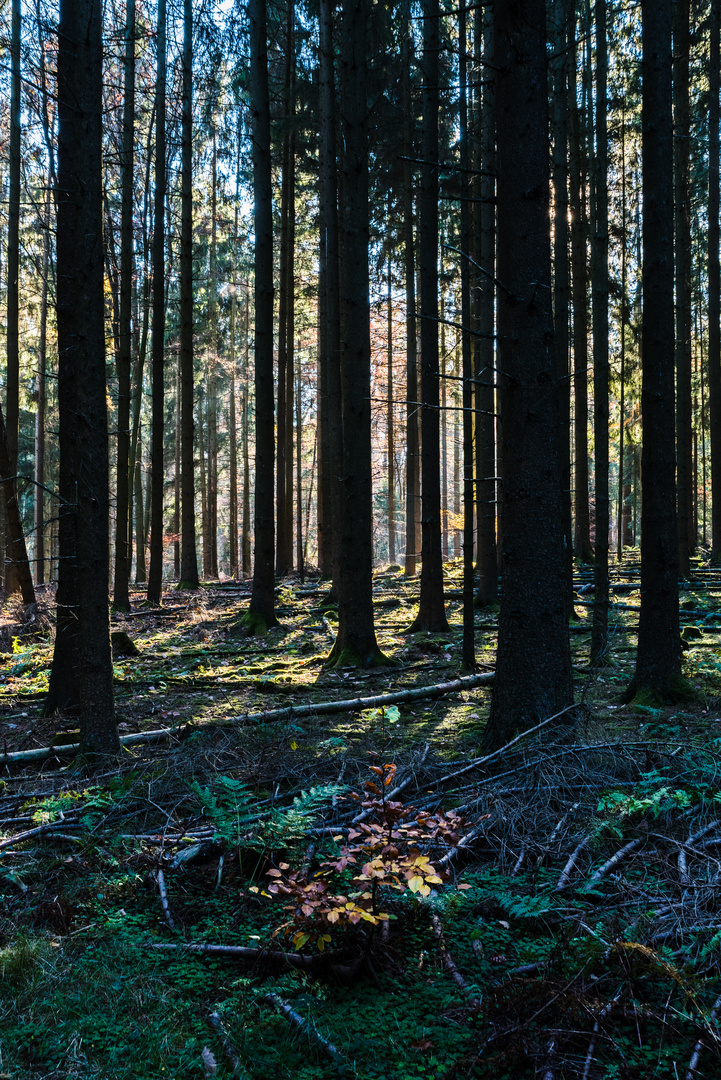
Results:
<point x="360" y="510"/>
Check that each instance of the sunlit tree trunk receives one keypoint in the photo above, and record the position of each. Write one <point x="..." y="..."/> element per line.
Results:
<point x="413" y="484"/>
<point x="188" y="554"/>
<point x="157" y="452"/>
<point x="261" y="614"/>
<point x="121" y="598"/>
<point x="12" y="582"/>
<point x="714" y="280"/>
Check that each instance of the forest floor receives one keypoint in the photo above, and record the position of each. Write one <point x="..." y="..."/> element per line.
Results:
<point x="221" y="905"/>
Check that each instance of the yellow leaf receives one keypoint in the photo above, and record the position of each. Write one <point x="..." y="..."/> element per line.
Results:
<point x="415" y="884"/>
<point x="294" y="746"/>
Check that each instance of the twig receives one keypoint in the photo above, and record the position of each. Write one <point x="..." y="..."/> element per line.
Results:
<point x="620" y="855"/>
<point x="568" y="868"/>
<point x="297" y="1020"/>
<point x="496" y="753"/>
<point x="50" y="827"/>
<point x="396" y="790"/>
<point x="160" y="878"/>
<point x="219" y="875"/>
<point x="42" y="752"/>
<point x="695" y="1057"/>
<point x="239" y="952"/>
<point x="449" y="963"/>
<point x="229" y="1048"/>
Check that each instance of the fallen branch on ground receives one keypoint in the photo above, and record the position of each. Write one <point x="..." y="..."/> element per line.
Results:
<point x="450" y="965"/>
<point x="297" y="1020"/>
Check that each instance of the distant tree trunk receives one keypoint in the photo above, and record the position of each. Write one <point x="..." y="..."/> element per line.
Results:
<point x="582" y="522"/>
<point x="413" y="486"/>
<point x="622" y="373"/>
<point x="290" y="353"/>
<point x="203" y="477"/>
<point x="533" y="665"/>
<point x="261" y="614"/>
<point x="389" y="423"/>
<point x="82" y="670"/>
<point x="443" y="372"/>
<point x="232" y="408"/>
<point x="16" y="549"/>
<point x="684" y="314"/>
<point x="714" y="280"/>
<point x="431" y="613"/>
<point x="245" y="524"/>
<point x="176" y="477"/>
<point x="12" y="582"/>
<point x="300" y="554"/>
<point x="121" y="597"/>
<point x="157" y="452"/>
<point x="469" y="648"/>
<point x="330" y="446"/>
<point x="39" y="497"/>
<point x="212" y="398"/>
<point x="599" y="275"/>
<point x="356" y="643"/>
<point x="188" y="555"/>
<point x="658" y="660"/>
<point x="483" y="308"/>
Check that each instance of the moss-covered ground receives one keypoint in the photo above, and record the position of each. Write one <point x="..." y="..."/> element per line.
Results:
<point x="576" y="931"/>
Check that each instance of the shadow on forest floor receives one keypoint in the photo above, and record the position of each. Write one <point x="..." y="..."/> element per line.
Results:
<point x="565" y="923"/>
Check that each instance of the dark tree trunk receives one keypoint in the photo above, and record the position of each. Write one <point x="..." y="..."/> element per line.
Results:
<point x="599" y="275"/>
<point x="431" y="613"/>
<point x="714" y="280"/>
<point x="682" y="229"/>
<point x="577" y="158"/>
<point x="413" y="483"/>
<point x="17" y="555"/>
<point x="561" y="271"/>
<point x="330" y="447"/>
<point x="39" y="498"/>
<point x="245" y="547"/>
<point x="82" y="670"/>
<point x="469" y="646"/>
<point x="356" y="641"/>
<point x="121" y="597"/>
<point x="157" y="453"/>
<point x="533" y="667"/>
<point x="188" y="553"/>
<point x="658" y="661"/>
<point x="484" y="308"/>
<point x="261" y="614"/>
<point x="12" y="582"/>
<point x="389" y="423"/>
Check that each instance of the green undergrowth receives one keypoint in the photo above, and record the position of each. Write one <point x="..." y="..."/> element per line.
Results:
<point x="635" y="954"/>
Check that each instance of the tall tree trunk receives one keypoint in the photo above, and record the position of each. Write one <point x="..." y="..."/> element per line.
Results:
<point x="389" y="419"/>
<point x="562" y="11"/>
<point x="12" y="582"/>
<point x="469" y="648"/>
<point x="356" y="643"/>
<point x="121" y="597"/>
<point x="577" y="158"/>
<point x="232" y="408"/>
<point x="330" y="447"/>
<point x="599" y="273"/>
<point x="188" y="554"/>
<point x="212" y="398"/>
<point x="261" y="614"/>
<point x="682" y="229"/>
<point x="431" y="613"/>
<point x="658" y="660"/>
<point x="141" y="569"/>
<point x="533" y="665"/>
<point x="245" y="524"/>
<point x="714" y="280"/>
<point x="39" y="498"/>
<point x="483" y="307"/>
<point x="157" y="459"/>
<point x="82" y="670"/>
<point x="413" y="483"/>
<point x="176" y="477"/>
<point x="16" y="550"/>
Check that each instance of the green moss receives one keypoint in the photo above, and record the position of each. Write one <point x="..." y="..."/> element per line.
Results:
<point x="187" y="586"/>
<point x="675" y="690"/>
<point x="349" y="657"/>
<point x="252" y="624"/>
